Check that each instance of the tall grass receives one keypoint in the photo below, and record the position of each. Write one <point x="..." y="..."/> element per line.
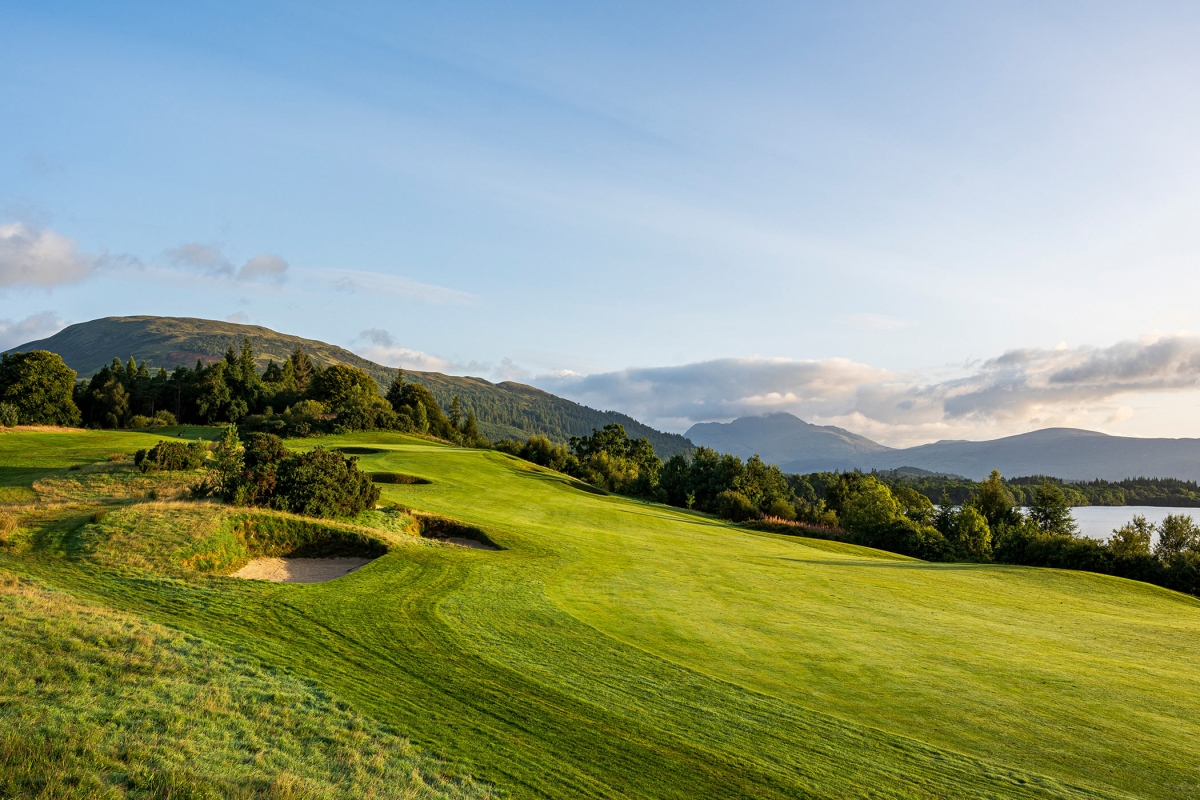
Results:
<point x="100" y="704"/>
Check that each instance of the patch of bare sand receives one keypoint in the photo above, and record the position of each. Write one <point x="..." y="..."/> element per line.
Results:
<point x="299" y="570"/>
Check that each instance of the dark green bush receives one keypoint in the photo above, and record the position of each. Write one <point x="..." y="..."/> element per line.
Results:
<point x="322" y="483"/>
<point x="172" y="456"/>
<point x="735" y="506"/>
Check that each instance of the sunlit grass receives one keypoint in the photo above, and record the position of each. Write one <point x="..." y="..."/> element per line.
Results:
<point x="617" y="648"/>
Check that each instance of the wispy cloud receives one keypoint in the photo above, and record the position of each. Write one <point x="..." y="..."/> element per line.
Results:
<point x="209" y="260"/>
<point x="41" y="257"/>
<point x="32" y="328"/>
<point x="350" y="280"/>
<point x="1018" y="390"/>
<point x="876" y="322"/>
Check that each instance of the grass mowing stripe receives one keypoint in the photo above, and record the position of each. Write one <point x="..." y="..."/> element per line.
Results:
<point x="623" y="649"/>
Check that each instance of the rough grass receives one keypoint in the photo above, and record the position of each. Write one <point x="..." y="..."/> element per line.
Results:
<point x="99" y="704"/>
<point x="621" y="649"/>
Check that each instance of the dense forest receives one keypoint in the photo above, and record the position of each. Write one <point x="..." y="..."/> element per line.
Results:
<point x="1169" y="492"/>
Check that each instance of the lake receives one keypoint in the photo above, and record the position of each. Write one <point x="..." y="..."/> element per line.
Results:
<point x="1098" y="521"/>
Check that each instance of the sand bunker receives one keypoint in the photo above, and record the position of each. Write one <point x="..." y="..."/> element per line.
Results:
<point x="299" y="570"/>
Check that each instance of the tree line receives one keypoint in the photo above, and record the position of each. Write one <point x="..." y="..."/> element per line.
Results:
<point x="299" y="397"/>
<point x="1169" y="492"/>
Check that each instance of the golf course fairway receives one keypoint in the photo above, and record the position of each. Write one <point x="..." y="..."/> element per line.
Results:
<point x="615" y="648"/>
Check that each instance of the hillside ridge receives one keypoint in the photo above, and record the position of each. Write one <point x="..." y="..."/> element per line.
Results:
<point x="503" y="410"/>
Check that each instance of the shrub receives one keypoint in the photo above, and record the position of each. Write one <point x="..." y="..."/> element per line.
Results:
<point x="322" y="483"/>
<point x="171" y="456"/>
<point x="735" y="506"/>
<point x="781" y="509"/>
<point x="8" y="415"/>
<point x="140" y="421"/>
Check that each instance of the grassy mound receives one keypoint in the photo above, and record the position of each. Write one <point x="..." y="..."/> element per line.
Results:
<point x="166" y="715"/>
<point x="178" y="538"/>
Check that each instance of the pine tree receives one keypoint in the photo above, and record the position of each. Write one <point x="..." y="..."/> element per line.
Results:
<point x="302" y="368"/>
<point x="456" y="413"/>
<point x="395" y="392"/>
<point x="470" y="429"/>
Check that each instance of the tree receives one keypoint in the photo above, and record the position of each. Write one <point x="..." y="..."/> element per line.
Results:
<point x="395" y="391"/>
<point x="915" y="505"/>
<point x="995" y="501"/>
<point x="420" y="418"/>
<point x="40" y="386"/>
<point x="111" y="403"/>
<point x="213" y="398"/>
<point x="302" y="369"/>
<point x="456" y="415"/>
<point x="1050" y="512"/>
<point x="1177" y="534"/>
<point x="970" y="536"/>
<point x="1132" y="539"/>
<point x="872" y="506"/>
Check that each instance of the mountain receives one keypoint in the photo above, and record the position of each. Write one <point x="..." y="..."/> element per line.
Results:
<point x="1067" y="453"/>
<point x="785" y="439"/>
<point x="506" y="409"/>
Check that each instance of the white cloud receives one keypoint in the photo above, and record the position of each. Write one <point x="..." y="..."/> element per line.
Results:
<point x="30" y="329"/>
<point x="265" y="267"/>
<point x="206" y="259"/>
<point x="1016" y="391"/>
<point x="40" y="257"/>
<point x="351" y="280"/>
<point x="239" y="317"/>
<point x="384" y="350"/>
<point x="209" y="260"/>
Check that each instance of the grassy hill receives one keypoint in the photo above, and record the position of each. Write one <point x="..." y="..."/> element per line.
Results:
<point x="504" y="410"/>
<point x="615" y="648"/>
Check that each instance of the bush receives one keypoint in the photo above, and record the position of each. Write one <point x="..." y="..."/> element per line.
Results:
<point x="172" y="456"/>
<point x="323" y="483"/>
<point x="8" y="415"/>
<point x="781" y="509"/>
<point x="140" y="421"/>
<point x="735" y="506"/>
<point x="902" y="535"/>
<point x="163" y="418"/>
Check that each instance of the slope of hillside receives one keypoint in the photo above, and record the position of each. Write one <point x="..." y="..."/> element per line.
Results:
<point x="1067" y="453"/>
<point x="783" y="438"/>
<point x="615" y="648"/>
<point x="503" y="410"/>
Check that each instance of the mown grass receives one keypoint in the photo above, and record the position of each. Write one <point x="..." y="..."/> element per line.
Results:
<point x="616" y="648"/>
<point x="100" y="704"/>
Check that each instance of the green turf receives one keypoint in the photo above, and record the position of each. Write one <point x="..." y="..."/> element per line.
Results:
<point x="615" y="648"/>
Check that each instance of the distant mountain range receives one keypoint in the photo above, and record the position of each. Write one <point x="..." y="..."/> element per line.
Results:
<point x="504" y="410"/>
<point x="1067" y="453"/>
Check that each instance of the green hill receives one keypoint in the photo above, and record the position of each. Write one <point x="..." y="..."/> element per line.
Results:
<point x="611" y="648"/>
<point x="504" y="410"/>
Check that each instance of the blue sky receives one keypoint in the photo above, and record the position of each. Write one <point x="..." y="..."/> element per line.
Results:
<point x="854" y="211"/>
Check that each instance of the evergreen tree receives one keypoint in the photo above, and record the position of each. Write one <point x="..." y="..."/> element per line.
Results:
<point x="395" y="392"/>
<point x="456" y="413"/>
<point x="302" y="369"/>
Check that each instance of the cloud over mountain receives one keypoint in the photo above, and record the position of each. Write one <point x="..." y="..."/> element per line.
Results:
<point x="40" y="257"/>
<point x="1015" y="391"/>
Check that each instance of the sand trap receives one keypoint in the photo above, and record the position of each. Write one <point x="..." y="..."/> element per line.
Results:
<point x="299" y="570"/>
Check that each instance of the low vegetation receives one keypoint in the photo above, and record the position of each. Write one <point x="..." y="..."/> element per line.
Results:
<point x="169" y="715"/>
<point x="1170" y="492"/>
